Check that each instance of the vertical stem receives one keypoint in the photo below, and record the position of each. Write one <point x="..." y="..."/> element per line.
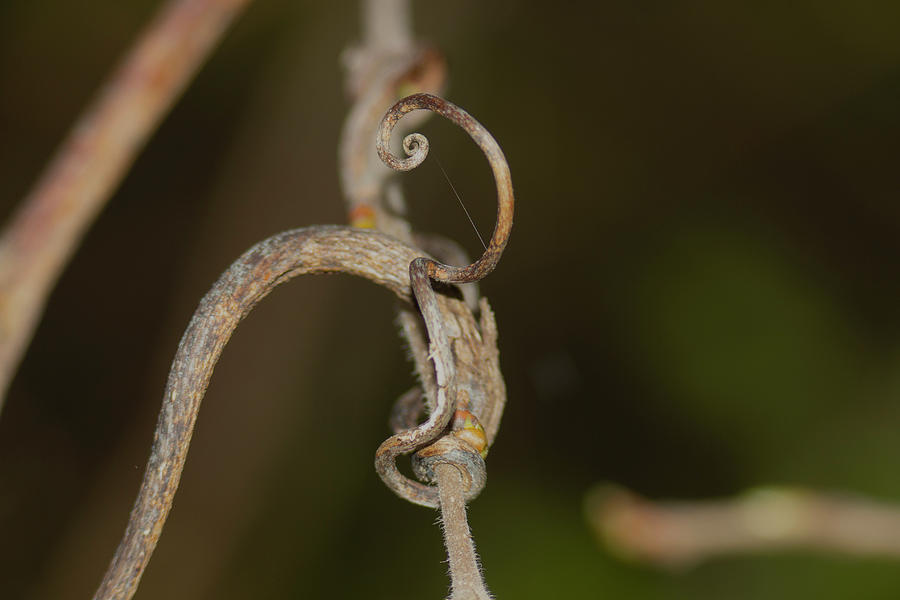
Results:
<point x="386" y="61"/>
<point x="387" y="24"/>
<point x="466" y="582"/>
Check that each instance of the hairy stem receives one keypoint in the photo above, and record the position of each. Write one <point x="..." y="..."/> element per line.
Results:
<point x="466" y="582"/>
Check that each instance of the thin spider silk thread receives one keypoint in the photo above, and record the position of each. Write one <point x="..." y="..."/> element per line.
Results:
<point x="455" y="193"/>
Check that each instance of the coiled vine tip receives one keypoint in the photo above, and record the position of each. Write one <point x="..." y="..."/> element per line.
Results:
<point x="416" y="147"/>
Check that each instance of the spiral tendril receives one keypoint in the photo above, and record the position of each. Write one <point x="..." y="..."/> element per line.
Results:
<point x="415" y="145"/>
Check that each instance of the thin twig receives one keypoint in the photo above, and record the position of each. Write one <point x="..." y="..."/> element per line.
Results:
<point x="682" y="534"/>
<point x="52" y="219"/>
<point x="466" y="581"/>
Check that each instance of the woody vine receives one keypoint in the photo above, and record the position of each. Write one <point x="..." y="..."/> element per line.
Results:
<point x="386" y="65"/>
<point x="461" y="394"/>
<point x="455" y="356"/>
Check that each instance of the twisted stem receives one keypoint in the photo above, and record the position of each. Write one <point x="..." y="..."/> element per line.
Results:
<point x="445" y="405"/>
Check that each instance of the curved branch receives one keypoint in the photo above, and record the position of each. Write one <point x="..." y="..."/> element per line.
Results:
<point x="325" y="249"/>
<point x="416" y="147"/>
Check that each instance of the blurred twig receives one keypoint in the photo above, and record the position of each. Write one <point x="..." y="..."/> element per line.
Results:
<point x="681" y="534"/>
<point x="91" y="162"/>
<point x="385" y="66"/>
<point x="475" y="392"/>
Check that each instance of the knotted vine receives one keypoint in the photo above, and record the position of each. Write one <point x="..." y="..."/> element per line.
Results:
<point x="456" y="356"/>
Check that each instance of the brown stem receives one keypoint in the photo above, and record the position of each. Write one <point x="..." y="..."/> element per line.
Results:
<point x="416" y="147"/>
<point x="445" y="402"/>
<point x="466" y="581"/>
<point x="323" y="249"/>
<point x="447" y="250"/>
<point x="92" y="160"/>
<point x="465" y="377"/>
<point x="448" y="395"/>
<point x="684" y="533"/>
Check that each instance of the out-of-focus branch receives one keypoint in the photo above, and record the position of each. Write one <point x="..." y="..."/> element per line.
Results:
<point x="384" y="67"/>
<point x="681" y="534"/>
<point x="387" y="26"/>
<point x="91" y="162"/>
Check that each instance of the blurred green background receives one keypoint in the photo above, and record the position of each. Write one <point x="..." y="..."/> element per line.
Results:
<point x="700" y="296"/>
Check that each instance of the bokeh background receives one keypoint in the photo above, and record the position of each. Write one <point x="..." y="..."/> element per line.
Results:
<point x="700" y="296"/>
